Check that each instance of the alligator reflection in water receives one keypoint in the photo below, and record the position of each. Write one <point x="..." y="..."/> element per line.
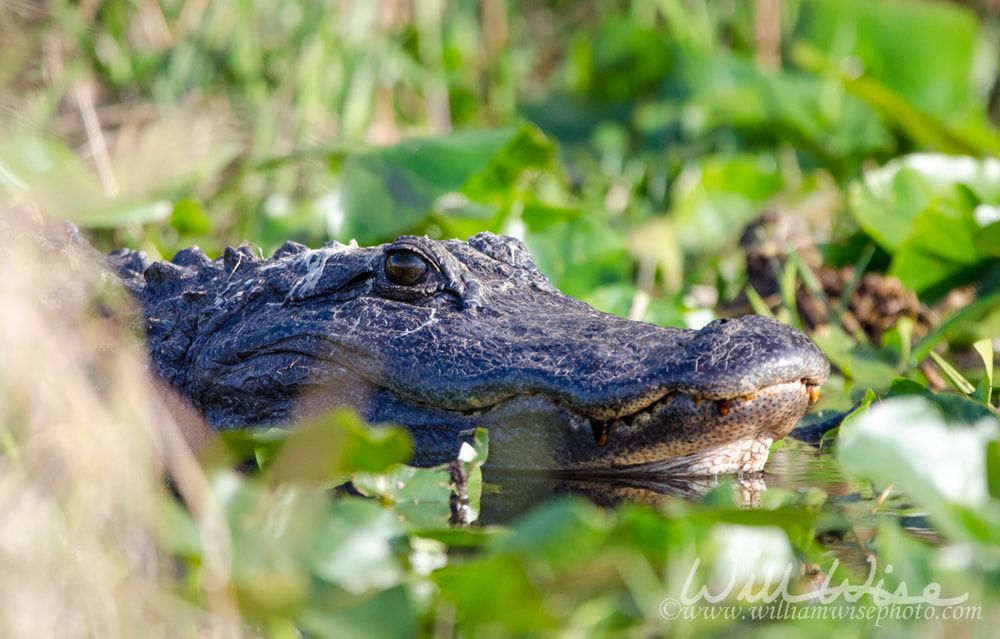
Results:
<point x="796" y="467"/>
<point x="848" y="535"/>
<point x="516" y="493"/>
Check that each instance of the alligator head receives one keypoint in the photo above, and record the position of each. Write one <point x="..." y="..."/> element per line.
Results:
<point x="444" y="337"/>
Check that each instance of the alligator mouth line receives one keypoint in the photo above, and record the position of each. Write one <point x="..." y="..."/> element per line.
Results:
<point x="734" y="410"/>
<point x="603" y="428"/>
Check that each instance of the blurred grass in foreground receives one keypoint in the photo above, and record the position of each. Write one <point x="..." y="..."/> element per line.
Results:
<point x="85" y="442"/>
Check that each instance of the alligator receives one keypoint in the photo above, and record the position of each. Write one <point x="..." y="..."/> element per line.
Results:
<point x="445" y="337"/>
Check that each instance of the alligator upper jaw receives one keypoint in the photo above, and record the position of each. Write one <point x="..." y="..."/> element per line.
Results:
<point x="603" y="419"/>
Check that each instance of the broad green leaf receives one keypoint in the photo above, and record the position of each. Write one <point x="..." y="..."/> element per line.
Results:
<point x="889" y="41"/>
<point x="910" y="442"/>
<point x="326" y="450"/>
<point x="189" y="218"/>
<point x="406" y="484"/>
<point x="903" y="386"/>
<point x="423" y="496"/>
<point x="420" y="496"/>
<point x="714" y="198"/>
<point x="385" y="192"/>
<point x="865" y="365"/>
<point x="580" y="254"/>
<point x="385" y="613"/>
<point x="619" y="60"/>
<point x="888" y="201"/>
<point x="493" y="592"/>
<point x="561" y="534"/>
<point x="928" y="211"/>
<point x="956" y="407"/>
<point x="352" y="547"/>
<point x="732" y="91"/>
<point x="538" y="216"/>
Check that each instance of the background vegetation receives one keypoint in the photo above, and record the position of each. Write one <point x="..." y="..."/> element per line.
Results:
<point x="630" y="145"/>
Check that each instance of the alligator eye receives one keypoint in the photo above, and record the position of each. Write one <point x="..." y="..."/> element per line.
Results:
<point x="405" y="268"/>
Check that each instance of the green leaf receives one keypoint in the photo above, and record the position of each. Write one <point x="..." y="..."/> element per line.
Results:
<point x="984" y="391"/>
<point x="887" y="43"/>
<point x="927" y="210"/>
<point x="903" y="386"/>
<point x="178" y="531"/>
<point x="956" y="407"/>
<point x="473" y="457"/>
<point x="383" y="613"/>
<point x="538" y="216"/>
<point x="757" y="302"/>
<point x="866" y="366"/>
<point x="564" y="533"/>
<point x="716" y="197"/>
<point x="421" y="496"/>
<point x="985" y="349"/>
<point x="189" y="218"/>
<point x="389" y="191"/>
<point x="730" y="90"/>
<point x="955" y="378"/>
<point x="993" y="468"/>
<point x="352" y="547"/>
<point x="326" y="450"/>
<point x="910" y="442"/>
<point x="495" y="591"/>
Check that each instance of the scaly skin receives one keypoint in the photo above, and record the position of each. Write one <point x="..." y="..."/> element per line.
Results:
<point x="444" y="337"/>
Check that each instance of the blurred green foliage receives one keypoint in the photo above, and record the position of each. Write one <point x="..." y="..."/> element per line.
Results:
<point x="628" y="144"/>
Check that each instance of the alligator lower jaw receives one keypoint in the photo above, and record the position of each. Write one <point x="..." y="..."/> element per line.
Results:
<point x="682" y="434"/>
<point x="744" y="456"/>
<point x="679" y="434"/>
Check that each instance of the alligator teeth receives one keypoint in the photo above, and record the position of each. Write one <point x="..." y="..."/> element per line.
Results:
<point x="724" y="405"/>
<point x="601" y="430"/>
<point x="813" y="393"/>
